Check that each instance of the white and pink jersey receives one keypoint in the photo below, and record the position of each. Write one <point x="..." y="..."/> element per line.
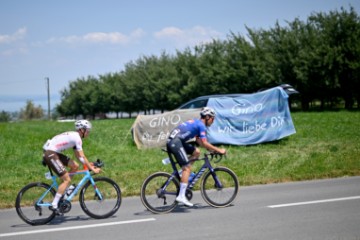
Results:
<point x="64" y="141"/>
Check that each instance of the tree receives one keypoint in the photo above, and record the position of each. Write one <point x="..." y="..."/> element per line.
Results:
<point x="114" y="92"/>
<point x="320" y="57"/>
<point x="31" y="112"/>
<point x="4" y="116"/>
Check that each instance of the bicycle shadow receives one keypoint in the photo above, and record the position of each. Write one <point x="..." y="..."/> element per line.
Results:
<point x="58" y="220"/>
<point x="62" y="219"/>
<point x="182" y="209"/>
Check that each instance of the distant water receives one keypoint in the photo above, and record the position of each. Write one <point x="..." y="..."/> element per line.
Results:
<point x="16" y="103"/>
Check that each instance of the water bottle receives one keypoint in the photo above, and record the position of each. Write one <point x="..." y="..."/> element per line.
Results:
<point x="166" y="161"/>
<point x="69" y="190"/>
<point x="48" y="175"/>
<point x="191" y="177"/>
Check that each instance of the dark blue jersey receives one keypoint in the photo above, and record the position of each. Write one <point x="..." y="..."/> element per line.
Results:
<point x="192" y="128"/>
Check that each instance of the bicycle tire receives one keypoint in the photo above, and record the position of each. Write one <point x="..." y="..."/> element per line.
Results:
<point x="220" y="197"/>
<point x="156" y="200"/>
<point x="93" y="206"/>
<point x="26" y="200"/>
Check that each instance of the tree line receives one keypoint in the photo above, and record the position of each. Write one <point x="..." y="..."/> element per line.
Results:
<point x="320" y="57"/>
<point x="30" y="112"/>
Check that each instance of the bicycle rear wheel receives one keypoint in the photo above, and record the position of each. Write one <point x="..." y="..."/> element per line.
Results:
<point x="220" y="196"/>
<point x="26" y="203"/>
<point x="95" y="207"/>
<point x="158" y="192"/>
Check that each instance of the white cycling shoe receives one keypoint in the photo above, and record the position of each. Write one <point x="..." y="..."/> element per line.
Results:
<point x="184" y="201"/>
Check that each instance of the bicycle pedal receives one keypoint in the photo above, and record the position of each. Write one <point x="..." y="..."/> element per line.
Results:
<point x="57" y="211"/>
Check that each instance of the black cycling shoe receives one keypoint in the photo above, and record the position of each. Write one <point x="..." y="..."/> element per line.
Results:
<point x="56" y="211"/>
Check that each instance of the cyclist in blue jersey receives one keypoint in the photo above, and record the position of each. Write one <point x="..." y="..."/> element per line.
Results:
<point x="178" y="145"/>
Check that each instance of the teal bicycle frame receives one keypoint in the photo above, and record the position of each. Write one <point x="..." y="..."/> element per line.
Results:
<point x="55" y="185"/>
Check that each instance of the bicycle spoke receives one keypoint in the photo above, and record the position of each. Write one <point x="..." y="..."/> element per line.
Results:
<point x="220" y="195"/>
<point x="32" y="210"/>
<point x="104" y="206"/>
<point x="156" y="195"/>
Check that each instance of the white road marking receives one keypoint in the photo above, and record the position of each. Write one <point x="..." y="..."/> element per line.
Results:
<point x="313" y="202"/>
<point x="75" y="227"/>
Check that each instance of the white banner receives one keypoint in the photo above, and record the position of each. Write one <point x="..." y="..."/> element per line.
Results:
<point x="151" y="131"/>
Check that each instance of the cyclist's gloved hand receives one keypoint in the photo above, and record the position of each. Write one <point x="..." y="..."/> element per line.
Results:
<point x="96" y="170"/>
<point x="223" y="151"/>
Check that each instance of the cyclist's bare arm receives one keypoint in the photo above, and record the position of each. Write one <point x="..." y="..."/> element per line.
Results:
<point x="82" y="158"/>
<point x="204" y="143"/>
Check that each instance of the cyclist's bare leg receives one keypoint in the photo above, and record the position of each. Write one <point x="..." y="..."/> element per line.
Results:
<point x="74" y="166"/>
<point x="61" y="189"/>
<point x="195" y="155"/>
<point x="66" y="181"/>
<point x="186" y="170"/>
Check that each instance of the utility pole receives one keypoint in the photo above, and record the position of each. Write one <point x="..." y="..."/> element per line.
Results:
<point x="48" y="95"/>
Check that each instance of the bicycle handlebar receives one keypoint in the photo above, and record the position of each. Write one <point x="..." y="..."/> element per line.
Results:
<point x="98" y="163"/>
<point x="215" y="155"/>
<point x="212" y="155"/>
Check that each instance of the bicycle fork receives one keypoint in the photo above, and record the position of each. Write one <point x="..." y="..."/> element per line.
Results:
<point x="218" y="184"/>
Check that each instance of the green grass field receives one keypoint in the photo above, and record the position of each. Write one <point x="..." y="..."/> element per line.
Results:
<point x="326" y="145"/>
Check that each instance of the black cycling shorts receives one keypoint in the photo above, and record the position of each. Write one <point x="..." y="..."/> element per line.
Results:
<point x="180" y="150"/>
<point x="56" y="161"/>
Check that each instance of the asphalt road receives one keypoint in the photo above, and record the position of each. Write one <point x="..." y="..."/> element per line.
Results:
<point x="323" y="209"/>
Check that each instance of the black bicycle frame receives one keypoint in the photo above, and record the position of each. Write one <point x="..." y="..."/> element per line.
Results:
<point x="197" y="176"/>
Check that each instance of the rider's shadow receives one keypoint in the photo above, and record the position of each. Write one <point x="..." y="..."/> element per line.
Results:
<point x="184" y="209"/>
<point x="197" y="206"/>
<point x="58" y="220"/>
<point x="181" y="209"/>
<point x="177" y="209"/>
<point x="63" y="219"/>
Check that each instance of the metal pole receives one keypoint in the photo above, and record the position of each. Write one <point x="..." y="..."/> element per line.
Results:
<point x="48" y="95"/>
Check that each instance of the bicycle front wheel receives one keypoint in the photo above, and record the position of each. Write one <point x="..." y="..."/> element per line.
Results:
<point x="28" y="200"/>
<point x="103" y="206"/>
<point x="158" y="192"/>
<point x="219" y="195"/>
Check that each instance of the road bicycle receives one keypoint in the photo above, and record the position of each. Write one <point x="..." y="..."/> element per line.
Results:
<point x="219" y="186"/>
<point x="100" y="197"/>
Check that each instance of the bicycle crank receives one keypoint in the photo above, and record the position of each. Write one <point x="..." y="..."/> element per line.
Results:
<point x="64" y="206"/>
<point x="188" y="194"/>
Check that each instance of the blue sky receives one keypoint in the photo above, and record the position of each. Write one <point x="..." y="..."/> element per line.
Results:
<point x="69" y="39"/>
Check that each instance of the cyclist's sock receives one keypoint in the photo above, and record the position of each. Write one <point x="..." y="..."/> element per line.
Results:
<point x="56" y="200"/>
<point x="183" y="187"/>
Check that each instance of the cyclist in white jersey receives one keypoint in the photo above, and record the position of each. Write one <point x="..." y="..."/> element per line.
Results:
<point x="57" y="161"/>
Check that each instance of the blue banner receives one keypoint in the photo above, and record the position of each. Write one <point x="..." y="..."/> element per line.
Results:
<point x="251" y="118"/>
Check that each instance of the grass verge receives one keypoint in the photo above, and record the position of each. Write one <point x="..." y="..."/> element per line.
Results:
<point x="326" y="145"/>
